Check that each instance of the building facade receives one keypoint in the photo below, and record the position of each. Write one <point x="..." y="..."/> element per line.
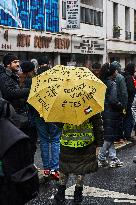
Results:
<point x="110" y="21"/>
<point x="120" y="29"/>
<point x="20" y="19"/>
<point x="32" y="28"/>
<point x="88" y="44"/>
<point x="41" y="15"/>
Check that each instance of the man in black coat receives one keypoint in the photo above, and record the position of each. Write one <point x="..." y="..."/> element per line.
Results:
<point x="9" y="82"/>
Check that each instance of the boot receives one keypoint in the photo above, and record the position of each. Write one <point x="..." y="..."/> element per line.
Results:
<point x="78" y="196"/>
<point x="60" y="196"/>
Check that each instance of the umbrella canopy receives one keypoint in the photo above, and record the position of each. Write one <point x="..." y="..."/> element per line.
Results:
<point x="67" y="94"/>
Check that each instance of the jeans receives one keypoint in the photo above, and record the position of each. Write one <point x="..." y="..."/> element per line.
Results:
<point x="107" y="147"/>
<point x="49" y="135"/>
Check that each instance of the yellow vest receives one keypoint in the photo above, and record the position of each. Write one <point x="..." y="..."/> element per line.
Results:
<point x="77" y="136"/>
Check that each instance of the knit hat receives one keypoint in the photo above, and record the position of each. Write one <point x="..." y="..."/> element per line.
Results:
<point x="27" y="66"/>
<point x="8" y="58"/>
<point x="43" y="60"/>
<point x="117" y="65"/>
<point x="112" y="69"/>
<point x="96" y="66"/>
<point x="130" y="69"/>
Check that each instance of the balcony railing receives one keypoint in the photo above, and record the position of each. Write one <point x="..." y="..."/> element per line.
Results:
<point x="127" y="35"/>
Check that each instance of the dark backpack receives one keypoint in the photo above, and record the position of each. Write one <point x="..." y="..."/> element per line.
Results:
<point x="19" y="183"/>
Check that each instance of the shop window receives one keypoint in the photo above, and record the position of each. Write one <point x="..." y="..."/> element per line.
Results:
<point x="63" y="10"/>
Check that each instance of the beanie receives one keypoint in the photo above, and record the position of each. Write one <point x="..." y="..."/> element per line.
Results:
<point x="96" y="66"/>
<point x="117" y="65"/>
<point x="112" y="69"/>
<point x="8" y="58"/>
<point x="27" y="66"/>
<point x="130" y="69"/>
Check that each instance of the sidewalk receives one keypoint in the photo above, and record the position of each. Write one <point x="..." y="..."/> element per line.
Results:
<point x="38" y="162"/>
<point x="126" y="144"/>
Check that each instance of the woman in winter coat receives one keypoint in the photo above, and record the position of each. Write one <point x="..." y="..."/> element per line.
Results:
<point x="25" y="79"/>
<point x="78" y="154"/>
<point x="113" y="110"/>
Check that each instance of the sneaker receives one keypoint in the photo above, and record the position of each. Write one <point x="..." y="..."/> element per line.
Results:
<point x="134" y="159"/>
<point x="55" y="174"/>
<point x="46" y="173"/>
<point x="102" y="163"/>
<point x="115" y="163"/>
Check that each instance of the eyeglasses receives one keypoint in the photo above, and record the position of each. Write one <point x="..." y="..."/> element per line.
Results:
<point x="15" y="61"/>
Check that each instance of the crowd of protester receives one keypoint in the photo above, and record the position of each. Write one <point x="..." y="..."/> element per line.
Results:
<point x="114" y="124"/>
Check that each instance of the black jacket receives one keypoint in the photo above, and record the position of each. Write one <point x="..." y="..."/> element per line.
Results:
<point x="10" y="90"/>
<point x="130" y="88"/>
<point x="82" y="160"/>
<point x="112" y="115"/>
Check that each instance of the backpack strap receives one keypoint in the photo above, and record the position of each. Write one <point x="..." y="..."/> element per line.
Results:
<point x="9" y="135"/>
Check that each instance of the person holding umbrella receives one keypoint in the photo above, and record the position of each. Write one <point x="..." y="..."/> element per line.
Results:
<point x="73" y="96"/>
<point x="78" y="154"/>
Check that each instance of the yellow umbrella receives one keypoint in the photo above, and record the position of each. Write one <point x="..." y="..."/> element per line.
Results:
<point x="67" y="94"/>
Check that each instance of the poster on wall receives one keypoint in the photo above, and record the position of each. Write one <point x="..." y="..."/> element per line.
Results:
<point x="30" y="14"/>
<point x="72" y="14"/>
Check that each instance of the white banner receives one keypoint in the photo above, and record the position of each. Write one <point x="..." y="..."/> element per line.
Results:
<point x="72" y="14"/>
<point x="87" y="45"/>
<point x="33" y="41"/>
<point x="10" y="7"/>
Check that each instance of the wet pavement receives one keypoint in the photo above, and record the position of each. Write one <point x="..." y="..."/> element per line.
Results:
<point x="108" y="186"/>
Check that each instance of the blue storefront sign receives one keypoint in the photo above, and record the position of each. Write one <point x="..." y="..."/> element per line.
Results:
<point x="40" y="15"/>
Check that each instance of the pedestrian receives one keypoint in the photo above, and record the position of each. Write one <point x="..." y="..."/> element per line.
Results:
<point x="10" y="89"/>
<point x="43" y="64"/>
<point x="35" y="63"/>
<point x="78" y="155"/>
<point x="128" y="123"/>
<point x="122" y="95"/>
<point x="111" y="118"/>
<point x="133" y="108"/>
<point x="9" y="81"/>
<point x="96" y="68"/>
<point x="28" y="71"/>
<point x="49" y="135"/>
